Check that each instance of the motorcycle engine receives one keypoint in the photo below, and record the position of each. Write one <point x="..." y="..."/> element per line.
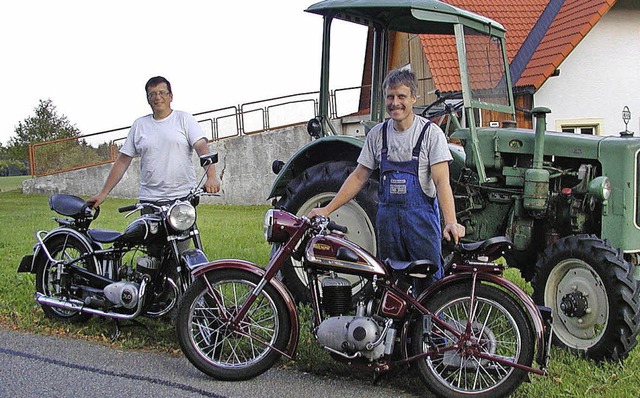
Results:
<point x="351" y="335"/>
<point x="147" y="265"/>
<point x="122" y="294"/>
<point x="336" y="295"/>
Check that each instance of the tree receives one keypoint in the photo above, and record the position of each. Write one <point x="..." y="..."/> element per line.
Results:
<point x="46" y="125"/>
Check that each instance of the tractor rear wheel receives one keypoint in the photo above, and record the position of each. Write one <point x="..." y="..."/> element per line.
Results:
<point x="315" y="187"/>
<point x="593" y="295"/>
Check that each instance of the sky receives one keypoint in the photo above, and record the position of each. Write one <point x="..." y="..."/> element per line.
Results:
<point x="92" y="59"/>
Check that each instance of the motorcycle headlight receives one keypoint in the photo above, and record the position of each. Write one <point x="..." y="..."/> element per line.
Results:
<point x="600" y="187"/>
<point x="279" y="225"/>
<point x="267" y="226"/>
<point x="182" y="216"/>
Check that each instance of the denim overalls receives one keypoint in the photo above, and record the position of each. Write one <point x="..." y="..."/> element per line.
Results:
<point x="408" y="221"/>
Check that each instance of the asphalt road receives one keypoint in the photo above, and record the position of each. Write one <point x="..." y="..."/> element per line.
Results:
<point x="59" y="366"/>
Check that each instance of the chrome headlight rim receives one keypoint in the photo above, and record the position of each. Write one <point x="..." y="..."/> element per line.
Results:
<point x="267" y="225"/>
<point x="181" y="216"/>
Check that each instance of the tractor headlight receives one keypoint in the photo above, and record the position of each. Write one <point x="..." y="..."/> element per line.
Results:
<point x="600" y="187"/>
<point x="182" y="216"/>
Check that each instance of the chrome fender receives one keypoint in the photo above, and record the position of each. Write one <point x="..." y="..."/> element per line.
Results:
<point x="40" y="253"/>
<point x="275" y="282"/>
<point x="542" y="325"/>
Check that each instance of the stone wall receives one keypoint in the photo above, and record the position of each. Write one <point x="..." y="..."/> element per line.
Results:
<point x="244" y="167"/>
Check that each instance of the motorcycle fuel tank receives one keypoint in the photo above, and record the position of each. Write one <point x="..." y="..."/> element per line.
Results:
<point x="142" y="229"/>
<point x="334" y="252"/>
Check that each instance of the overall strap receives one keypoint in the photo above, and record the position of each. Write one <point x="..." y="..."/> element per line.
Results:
<point x="416" y="150"/>
<point x="384" y="139"/>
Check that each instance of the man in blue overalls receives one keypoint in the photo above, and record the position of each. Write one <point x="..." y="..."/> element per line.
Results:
<point x="412" y="155"/>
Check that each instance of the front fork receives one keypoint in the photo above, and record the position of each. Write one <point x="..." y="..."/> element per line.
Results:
<point x="235" y="319"/>
<point x="185" y="256"/>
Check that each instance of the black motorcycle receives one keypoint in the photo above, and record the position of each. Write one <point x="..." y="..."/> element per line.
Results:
<point x="141" y="271"/>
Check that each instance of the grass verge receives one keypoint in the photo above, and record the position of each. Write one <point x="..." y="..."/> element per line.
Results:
<point x="236" y="232"/>
<point x="12" y="183"/>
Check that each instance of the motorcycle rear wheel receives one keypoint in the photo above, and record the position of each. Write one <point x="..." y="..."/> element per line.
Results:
<point x="500" y="327"/>
<point x="211" y="344"/>
<point x="62" y="247"/>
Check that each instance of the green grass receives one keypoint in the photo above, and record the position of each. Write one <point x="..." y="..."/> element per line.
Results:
<point x="13" y="183"/>
<point x="236" y="232"/>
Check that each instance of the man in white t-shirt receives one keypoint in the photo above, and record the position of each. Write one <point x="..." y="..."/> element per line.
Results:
<point x="165" y="141"/>
<point x="413" y="157"/>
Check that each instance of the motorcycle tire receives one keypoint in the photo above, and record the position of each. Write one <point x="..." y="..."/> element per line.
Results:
<point x="500" y="326"/>
<point x="60" y="247"/>
<point x="212" y="345"/>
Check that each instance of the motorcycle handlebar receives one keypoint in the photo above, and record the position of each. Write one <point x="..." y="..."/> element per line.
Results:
<point x="128" y="208"/>
<point x="194" y="194"/>
<point x="332" y="226"/>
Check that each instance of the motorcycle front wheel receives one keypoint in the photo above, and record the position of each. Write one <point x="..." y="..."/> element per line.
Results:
<point x="500" y="328"/>
<point x="222" y="350"/>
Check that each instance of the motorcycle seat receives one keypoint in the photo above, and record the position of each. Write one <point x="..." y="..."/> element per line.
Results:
<point x="415" y="269"/>
<point x="486" y="246"/>
<point x="69" y="205"/>
<point x="104" y="235"/>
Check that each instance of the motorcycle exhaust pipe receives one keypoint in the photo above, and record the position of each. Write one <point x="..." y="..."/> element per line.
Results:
<point x="77" y="305"/>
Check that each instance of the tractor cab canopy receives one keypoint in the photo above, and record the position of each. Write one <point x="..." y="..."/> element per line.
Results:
<point x="473" y="43"/>
<point x="410" y="16"/>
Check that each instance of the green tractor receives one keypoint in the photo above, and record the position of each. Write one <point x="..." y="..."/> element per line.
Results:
<point x="569" y="203"/>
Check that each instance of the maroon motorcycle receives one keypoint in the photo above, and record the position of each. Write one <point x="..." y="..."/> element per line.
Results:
<point x="472" y="333"/>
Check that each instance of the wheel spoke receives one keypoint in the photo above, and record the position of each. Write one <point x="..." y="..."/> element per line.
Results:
<point x="219" y="340"/>
<point x="494" y="335"/>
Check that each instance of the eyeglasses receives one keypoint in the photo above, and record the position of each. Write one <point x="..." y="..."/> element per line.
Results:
<point x="153" y="94"/>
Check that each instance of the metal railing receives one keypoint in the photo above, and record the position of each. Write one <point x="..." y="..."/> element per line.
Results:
<point x="51" y="157"/>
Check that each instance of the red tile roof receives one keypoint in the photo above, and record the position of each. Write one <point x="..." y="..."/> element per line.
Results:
<point x="573" y="22"/>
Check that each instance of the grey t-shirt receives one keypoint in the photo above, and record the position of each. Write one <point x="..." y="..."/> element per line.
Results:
<point x="400" y="145"/>
<point x="165" y="148"/>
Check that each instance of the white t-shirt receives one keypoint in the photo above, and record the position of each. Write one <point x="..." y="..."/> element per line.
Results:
<point x="400" y="146"/>
<point x="165" y="148"/>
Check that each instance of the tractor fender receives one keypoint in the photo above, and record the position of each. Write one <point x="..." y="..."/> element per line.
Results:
<point x="275" y="282"/>
<point x="335" y="147"/>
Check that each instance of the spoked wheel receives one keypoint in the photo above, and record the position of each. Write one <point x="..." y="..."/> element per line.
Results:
<point x="315" y="188"/>
<point x="49" y="275"/>
<point x="224" y="350"/>
<point x="499" y="328"/>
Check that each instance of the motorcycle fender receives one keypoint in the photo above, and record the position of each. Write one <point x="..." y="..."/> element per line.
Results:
<point x="39" y="254"/>
<point x="542" y="327"/>
<point x="194" y="258"/>
<point x="275" y="282"/>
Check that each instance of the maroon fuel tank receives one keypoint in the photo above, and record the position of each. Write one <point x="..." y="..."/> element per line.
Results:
<point x="335" y="253"/>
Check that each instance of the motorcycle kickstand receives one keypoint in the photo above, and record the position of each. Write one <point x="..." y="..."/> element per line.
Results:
<point x="118" y="328"/>
<point x="383" y="371"/>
